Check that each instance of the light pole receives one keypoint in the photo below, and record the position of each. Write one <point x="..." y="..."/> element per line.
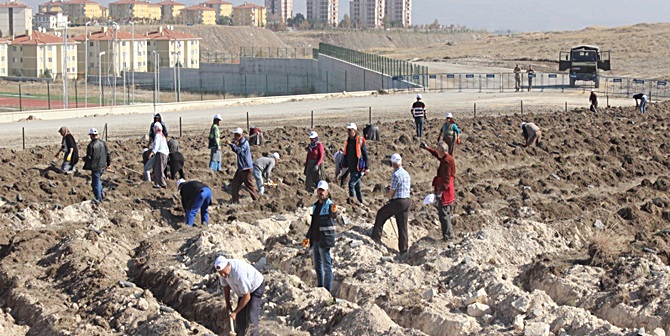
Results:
<point x="64" y="64"/>
<point x="115" y="57"/>
<point x="100" y="75"/>
<point x="86" y="64"/>
<point x="157" y="68"/>
<point x="174" y="78"/>
<point x="177" y="76"/>
<point x="133" y="50"/>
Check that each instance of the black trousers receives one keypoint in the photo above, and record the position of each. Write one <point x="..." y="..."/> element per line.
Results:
<point x="251" y="313"/>
<point x="399" y="208"/>
<point x="444" y="213"/>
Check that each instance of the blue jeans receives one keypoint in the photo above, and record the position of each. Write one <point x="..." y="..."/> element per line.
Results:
<point x="323" y="265"/>
<point x="643" y="105"/>
<point x="96" y="184"/>
<point x="201" y="203"/>
<point x="355" y="184"/>
<point x="419" y="126"/>
<point x="258" y="175"/>
<point x="214" y="159"/>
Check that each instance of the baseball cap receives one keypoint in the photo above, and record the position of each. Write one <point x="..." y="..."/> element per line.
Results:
<point x="276" y="155"/>
<point x="217" y="116"/>
<point x="322" y="185"/>
<point x="395" y="158"/>
<point x="220" y="263"/>
<point x="313" y="135"/>
<point x="92" y="131"/>
<point x="352" y="126"/>
<point x="179" y="182"/>
<point x="418" y="96"/>
<point x="238" y="131"/>
<point x="523" y="123"/>
<point x="449" y="115"/>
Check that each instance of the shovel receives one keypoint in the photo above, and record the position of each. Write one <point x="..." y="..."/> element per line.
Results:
<point x="232" y="325"/>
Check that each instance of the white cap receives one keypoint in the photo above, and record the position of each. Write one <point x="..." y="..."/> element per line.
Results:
<point x="449" y="115"/>
<point x="592" y="90"/>
<point x="352" y="126"/>
<point x="238" y="131"/>
<point x="418" y="96"/>
<point x="276" y="155"/>
<point x="313" y="135"/>
<point x="217" y="116"/>
<point x="179" y="182"/>
<point x="523" y="123"/>
<point x="92" y="131"/>
<point x="395" y="158"/>
<point x="158" y="126"/>
<point x="145" y="150"/>
<point x="322" y="185"/>
<point x="220" y="263"/>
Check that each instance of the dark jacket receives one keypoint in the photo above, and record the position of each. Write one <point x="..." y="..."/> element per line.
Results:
<point x="97" y="156"/>
<point x="71" y="143"/>
<point x="351" y="156"/>
<point x="189" y="190"/>
<point x="151" y="130"/>
<point x="324" y="222"/>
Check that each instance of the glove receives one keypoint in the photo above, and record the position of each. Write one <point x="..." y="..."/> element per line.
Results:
<point x="422" y="145"/>
<point x="69" y="158"/>
<point x="305" y="242"/>
<point x="458" y="141"/>
<point x="316" y="169"/>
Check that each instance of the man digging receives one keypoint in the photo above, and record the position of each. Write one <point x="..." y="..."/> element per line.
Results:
<point x="249" y="286"/>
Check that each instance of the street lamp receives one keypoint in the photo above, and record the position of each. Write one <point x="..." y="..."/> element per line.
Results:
<point x="64" y="63"/>
<point x="157" y="75"/>
<point x="86" y="64"/>
<point x="115" y="57"/>
<point x="133" y="51"/>
<point x="100" y="74"/>
<point x="176" y="76"/>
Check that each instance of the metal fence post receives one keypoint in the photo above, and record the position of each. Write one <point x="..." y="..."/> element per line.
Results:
<point x="76" y="96"/>
<point x="566" y="107"/>
<point x="522" y="107"/>
<point x="224" y="87"/>
<point x="475" y="113"/>
<point x="312" y="122"/>
<point x="20" y="99"/>
<point x="48" y="96"/>
<point x="180" y="127"/>
<point x="200" y="89"/>
<point x="370" y="115"/>
<point x="23" y="136"/>
<point x="248" y="127"/>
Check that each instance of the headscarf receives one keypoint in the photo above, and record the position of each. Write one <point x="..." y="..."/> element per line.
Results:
<point x="316" y="142"/>
<point x="158" y="128"/>
<point x="64" y="131"/>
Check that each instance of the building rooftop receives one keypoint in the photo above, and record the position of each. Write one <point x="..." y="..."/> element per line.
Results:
<point x="248" y="5"/>
<point x="170" y="3"/>
<point x="130" y="2"/>
<point x="198" y="8"/>
<point x="40" y="38"/>
<point x="13" y="4"/>
<point x="76" y="2"/>
<point x="168" y="34"/>
<point x="107" y="34"/>
<point x="215" y="2"/>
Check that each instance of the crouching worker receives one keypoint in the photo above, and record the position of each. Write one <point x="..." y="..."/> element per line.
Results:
<point x="248" y="284"/>
<point x="321" y="236"/>
<point x="195" y="196"/>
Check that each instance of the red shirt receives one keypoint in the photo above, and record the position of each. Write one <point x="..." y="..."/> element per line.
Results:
<point x="443" y="183"/>
<point x="317" y="153"/>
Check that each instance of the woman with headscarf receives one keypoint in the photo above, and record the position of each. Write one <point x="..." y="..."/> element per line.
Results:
<point x="159" y="152"/>
<point x="69" y="150"/>
<point x="314" y="161"/>
<point x="157" y="119"/>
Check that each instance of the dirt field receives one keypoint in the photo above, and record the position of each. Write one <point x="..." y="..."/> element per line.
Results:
<point x="565" y="236"/>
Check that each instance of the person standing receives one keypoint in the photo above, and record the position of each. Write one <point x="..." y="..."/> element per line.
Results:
<point x="517" y="78"/>
<point x="443" y="186"/>
<point x="215" y="144"/>
<point x="398" y="193"/>
<point x="321" y="236"/>
<point x="69" y="150"/>
<point x="340" y="172"/>
<point x="419" y="114"/>
<point x="256" y="137"/>
<point x="262" y="170"/>
<point x="195" y="196"/>
<point x="244" y="173"/>
<point x="356" y="159"/>
<point x="152" y="132"/>
<point x="175" y="161"/>
<point x="531" y="74"/>
<point x="450" y="133"/>
<point x="159" y="152"/>
<point x="643" y="102"/>
<point x="249" y="286"/>
<point x="97" y="160"/>
<point x="531" y="134"/>
<point x="593" y="98"/>
<point x="313" y="162"/>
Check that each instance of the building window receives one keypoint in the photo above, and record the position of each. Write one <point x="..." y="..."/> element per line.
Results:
<point x="50" y="60"/>
<point x="13" y="48"/>
<point x="90" y="44"/>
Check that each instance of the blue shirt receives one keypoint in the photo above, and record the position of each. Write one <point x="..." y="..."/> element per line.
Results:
<point x="243" y="152"/>
<point x="401" y="182"/>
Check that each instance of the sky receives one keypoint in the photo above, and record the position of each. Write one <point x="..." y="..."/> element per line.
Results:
<point x="515" y="15"/>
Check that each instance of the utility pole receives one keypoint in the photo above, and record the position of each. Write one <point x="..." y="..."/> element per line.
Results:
<point x="115" y="58"/>
<point x="100" y="75"/>
<point x="86" y="64"/>
<point x="134" y="50"/>
<point x="64" y="64"/>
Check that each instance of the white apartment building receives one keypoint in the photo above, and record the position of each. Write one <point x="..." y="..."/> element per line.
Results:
<point x="324" y="11"/>
<point x="399" y="12"/>
<point x="49" y="21"/>
<point x="122" y="52"/>
<point x="15" y="18"/>
<point x="280" y="10"/>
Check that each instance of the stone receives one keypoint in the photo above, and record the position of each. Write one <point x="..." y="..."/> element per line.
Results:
<point x="126" y="284"/>
<point x="599" y="225"/>
<point x="536" y="329"/>
<point x="478" y="310"/>
<point x="487" y="319"/>
<point x="641" y="332"/>
<point x="521" y="304"/>
<point x="142" y="304"/>
<point x="658" y="332"/>
<point x="429" y="294"/>
<point x="261" y="263"/>
<point x="479" y="297"/>
<point x="518" y="322"/>
<point x="356" y="243"/>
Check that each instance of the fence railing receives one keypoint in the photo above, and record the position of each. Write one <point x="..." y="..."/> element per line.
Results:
<point x="258" y="52"/>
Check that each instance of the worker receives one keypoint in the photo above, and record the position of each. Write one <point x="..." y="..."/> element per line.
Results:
<point x="262" y="170"/>
<point x="244" y="173"/>
<point x="249" y="286"/>
<point x="175" y="163"/>
<point x="157" y="119"/>
<point x="593" y="98"/>
<point x="531" y="133"/>
<point x="340" y="172"/>
<point x="517" y="78"/>
<point x="321" y="236"/>
<point x="643" y="102"/>
<point x="419" y="113"/>
<point x="215" y="144"/>
<point x="531" y="75"/>
<point x="313" y="162"/>
<point x="69" y="150"/>
<point x="398" y="194"/>
<point x="371" y="132"/>
<point x="356" y="159"/>
<point x="450" y="133"/>
<point x="443" y="186"/>
<point x="159" y="152"/>
<point x="195" y="196"/>
<point x="256" y="137"/>
<point x="97" y="160"/>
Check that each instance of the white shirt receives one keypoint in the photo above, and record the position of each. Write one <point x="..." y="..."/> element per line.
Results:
<point x="160" y="145"/>
<point x="243" y="278"/>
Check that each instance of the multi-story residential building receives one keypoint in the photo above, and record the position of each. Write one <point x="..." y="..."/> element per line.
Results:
<point x="15" y="18"/>
<point x="279" y="10"/>
<point x="40" y="54"/>
<point x="4" y="45"/>
<point x="81" y="11"/>
<point x="323" y="11"/>
<point x="174" y="48"/>
<point x="123" y="52"/>
<point x="399" y="12"/>
<point x="51" y="6"/>
<point x="198" y="15"/>
<point x="249" y="14"/>
<point x="170" y="10"/>
<point x="49" y="21"/>
<point x="222" y="8"/>
<point x="134" y="10"/>
<point x="370" y="13"/>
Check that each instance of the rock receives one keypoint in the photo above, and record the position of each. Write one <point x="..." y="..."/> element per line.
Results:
<point x="73" y="191"/>
<point x="387" y="259"/>
<point x="487" y="319"/>
<point x="518" y="322"/>
<point x="20" y="216"/>
<point x="648" y="250"/>
<point x="521" y="304"/>
<point x="641" y="332"/>
<point x="261" y="263"/>
<point x="429" y="294"/>
<point x="478" y="310"/>
<point x="658" y="332"/>
<point x="479" y="297"/>
<point x="626" y="213"/>
<point x="19" y="198"/>
<point x="166" y="309"/>
<point x="142" y="304"/>
<point x="356" y="243"/>
<point x="599" y="225"/>
<point x="536" y="329"/>
<point x="556" y="177"/>
<point x="127" y="284"/>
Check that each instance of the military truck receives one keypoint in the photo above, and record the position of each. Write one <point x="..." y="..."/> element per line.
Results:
<point x="584" y="61"/>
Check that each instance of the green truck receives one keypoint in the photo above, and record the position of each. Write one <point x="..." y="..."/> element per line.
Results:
<point x="584" y="63"/>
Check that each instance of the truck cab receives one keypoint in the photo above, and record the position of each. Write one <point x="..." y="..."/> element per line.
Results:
<point x="584" y="63"/>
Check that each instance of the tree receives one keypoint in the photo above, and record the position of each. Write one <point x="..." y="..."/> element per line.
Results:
<point x="297" y="20"/>
<point x="346" y="22"/>
<point x="386" y="22"/>
<point x="224" y="21"/>
<point x="434" y="26"/>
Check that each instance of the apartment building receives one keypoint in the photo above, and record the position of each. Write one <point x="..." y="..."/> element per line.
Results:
<point x="51" y="6"/>
<point x="174" y="48"/>
<point x="369" y="12"/>
<point x="39" y="54"/>
<point x="279" y="10"/>
<point x="198" y="15"/>
<point x="324" y="11"/>
<point x="222" y="8"/>
<point x="4" y="45"/>
<point x="170" y="10"/>
<point x="134" y="10"/>
<point x="123" y="51"/>
<point x="81" y="11"/>
<point x="15" y="18"/>
<point x="49" y="21"/>
<point x="249" y="14"/>
<point x="399" y="12"/>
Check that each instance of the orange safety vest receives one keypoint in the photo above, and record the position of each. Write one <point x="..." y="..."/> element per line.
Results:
<point x="360" y="141"/>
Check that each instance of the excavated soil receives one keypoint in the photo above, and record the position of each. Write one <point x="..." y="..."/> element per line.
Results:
<point x="570" y="237"/>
